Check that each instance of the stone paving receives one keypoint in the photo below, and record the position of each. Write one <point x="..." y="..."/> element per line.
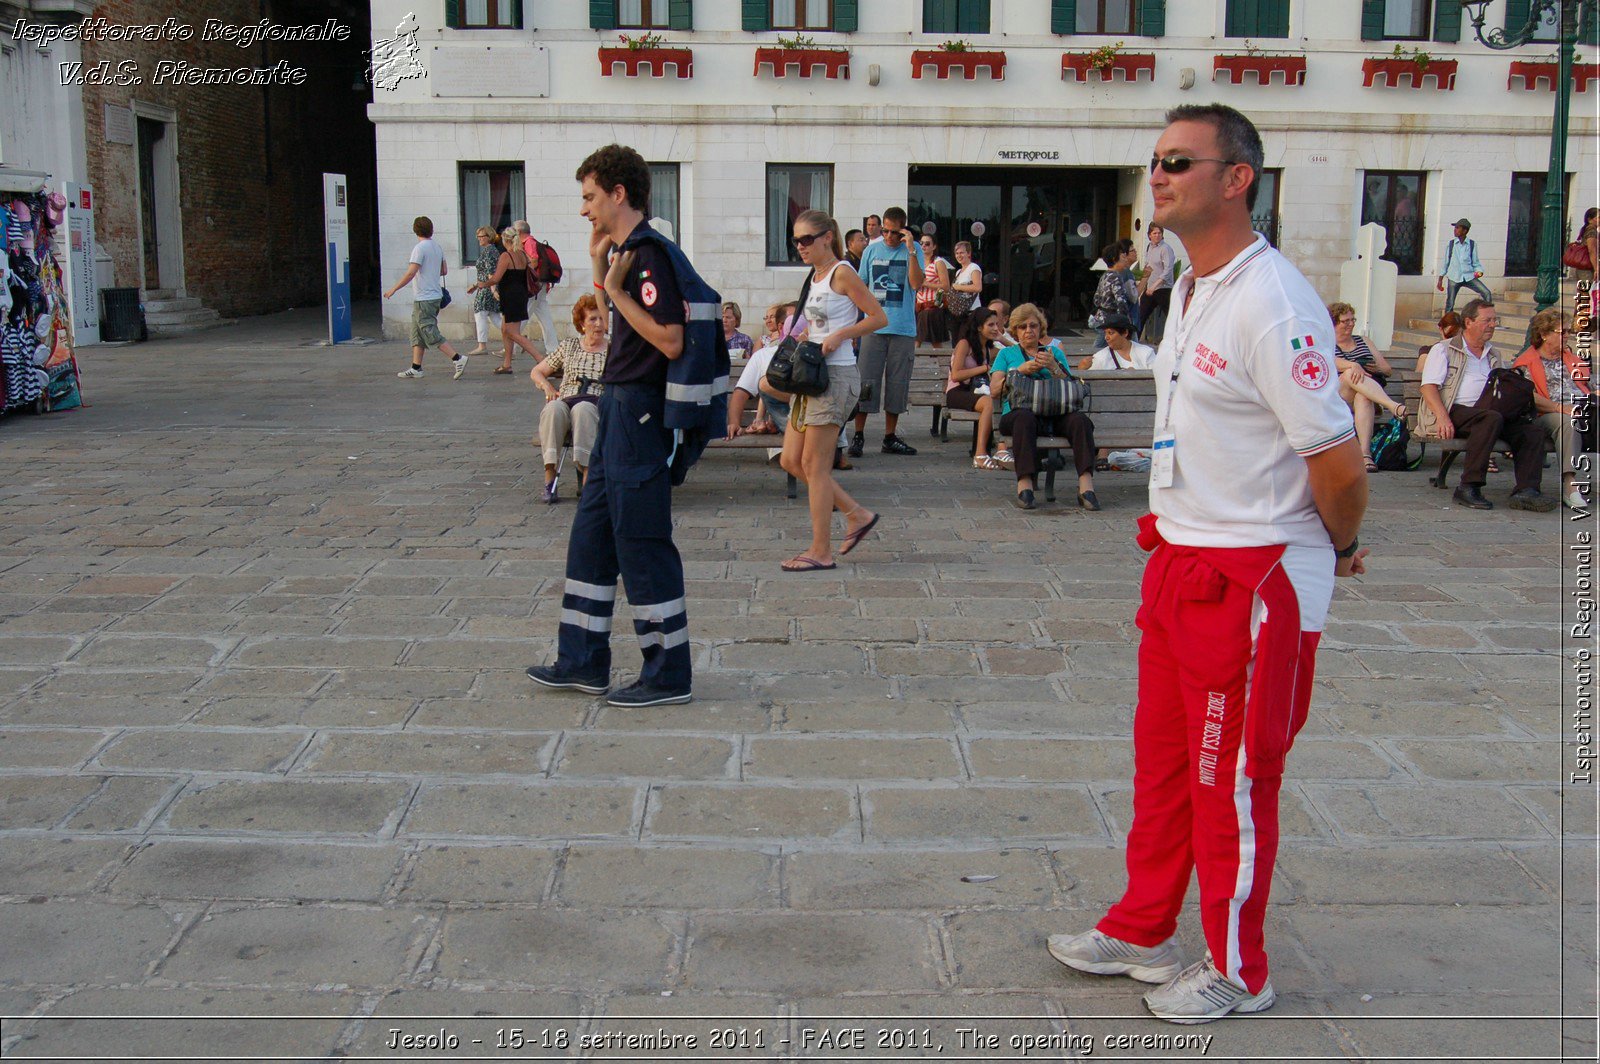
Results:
<point x="266" y="751"/>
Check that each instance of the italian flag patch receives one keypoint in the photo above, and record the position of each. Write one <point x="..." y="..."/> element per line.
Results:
<point x="1302" y="343"/>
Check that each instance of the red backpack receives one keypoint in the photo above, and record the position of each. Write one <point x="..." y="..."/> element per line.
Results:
<point x="544" y="266"/>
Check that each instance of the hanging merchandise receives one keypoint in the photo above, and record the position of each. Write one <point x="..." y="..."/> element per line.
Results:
<point x="37" y="361"/>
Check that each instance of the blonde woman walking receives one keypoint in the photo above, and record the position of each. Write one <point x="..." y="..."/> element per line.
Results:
<point x="838" y="309"/>
<point x="485" y="304"/>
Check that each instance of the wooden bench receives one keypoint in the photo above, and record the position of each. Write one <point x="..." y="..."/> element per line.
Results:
<point x="1410" y="383"/>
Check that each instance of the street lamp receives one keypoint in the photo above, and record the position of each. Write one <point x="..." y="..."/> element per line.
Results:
<point x="1569" y="16"/>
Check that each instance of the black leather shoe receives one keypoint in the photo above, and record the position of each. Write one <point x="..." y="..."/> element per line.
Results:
<point x="640" y="693"/>
<point x="1024" y="499"/>
<point x="895" y="445"/>
<point x="857" y="444"/>
<point x="557" y="677"/>
<point x="1470" y="496"/>
<point x="1087" y="500"/>
<point x="1533" y="499"/>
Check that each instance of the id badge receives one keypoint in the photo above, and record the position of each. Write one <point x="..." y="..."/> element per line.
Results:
<point x="1164" y="450"/>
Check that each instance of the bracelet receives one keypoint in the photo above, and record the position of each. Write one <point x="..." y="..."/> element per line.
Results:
<point x="599" y="286"/>
<point x="1350" y="551"/>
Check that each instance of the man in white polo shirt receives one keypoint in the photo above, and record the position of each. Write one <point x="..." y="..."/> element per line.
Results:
<point x="1257" y="490"/>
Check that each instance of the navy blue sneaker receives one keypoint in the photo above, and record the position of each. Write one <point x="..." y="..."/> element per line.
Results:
<point x="555" y="676"/>
<point x="640" y="693"/>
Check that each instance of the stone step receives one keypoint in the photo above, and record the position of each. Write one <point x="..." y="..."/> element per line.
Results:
<point x="171" y="305"/>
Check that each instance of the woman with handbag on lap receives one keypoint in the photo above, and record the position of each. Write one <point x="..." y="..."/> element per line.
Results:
<point x="838" y="309"/>
<point x="1032" y="358"/>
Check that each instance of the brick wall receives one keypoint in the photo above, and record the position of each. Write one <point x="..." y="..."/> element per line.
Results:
<point x="250" y="158"/>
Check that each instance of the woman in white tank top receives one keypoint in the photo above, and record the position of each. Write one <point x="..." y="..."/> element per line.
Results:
<point x="838" y="309"/>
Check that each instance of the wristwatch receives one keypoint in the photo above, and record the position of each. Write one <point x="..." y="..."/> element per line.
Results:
<point x="1350" y="551"/>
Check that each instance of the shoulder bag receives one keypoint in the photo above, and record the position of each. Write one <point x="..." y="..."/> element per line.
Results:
<point x="1050" y="396"/>
<point x="1577" y="256"/>
<point x="1509" y="393"/>
<point x="799" y="367"/>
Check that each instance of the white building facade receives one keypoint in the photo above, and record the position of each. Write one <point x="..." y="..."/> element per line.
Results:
<point x="1036" y="155"/>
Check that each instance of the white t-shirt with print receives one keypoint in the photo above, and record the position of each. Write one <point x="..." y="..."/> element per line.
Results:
<point x="1256" y="394"/>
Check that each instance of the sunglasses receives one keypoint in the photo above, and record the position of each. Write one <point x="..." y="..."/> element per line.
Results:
<point x="807" y="240"/>
<point x="1177" y="164"/>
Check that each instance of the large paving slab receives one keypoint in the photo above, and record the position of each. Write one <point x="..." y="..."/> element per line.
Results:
<point x="266" y="750"/>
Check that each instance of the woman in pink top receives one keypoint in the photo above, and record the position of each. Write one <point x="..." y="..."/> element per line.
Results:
<point x="967" y="387"/>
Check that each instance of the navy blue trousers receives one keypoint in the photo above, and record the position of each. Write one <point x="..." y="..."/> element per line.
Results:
<point x="624" y="526"/>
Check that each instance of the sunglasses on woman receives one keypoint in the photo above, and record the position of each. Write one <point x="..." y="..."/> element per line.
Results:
<point x="1177" y="164"/>
<point x="807" y="240"/>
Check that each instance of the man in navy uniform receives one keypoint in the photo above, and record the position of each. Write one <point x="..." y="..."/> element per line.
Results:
<point x="624" y="517"/>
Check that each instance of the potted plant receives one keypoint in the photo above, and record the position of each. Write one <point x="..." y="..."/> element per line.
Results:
<point x="806" y="56"/>
<point x="958" y="57"/>
<point x="1233" y="68"/>
<point x="1532" y="71"/>
<point x="1412" y="66"/>
<point x="646" y="53"/>
<point x="1107" y="61"/>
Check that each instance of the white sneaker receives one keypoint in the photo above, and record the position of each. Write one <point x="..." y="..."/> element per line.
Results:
<point x="1201" y="994"/>
<point x="1100" y="954"/>
<point x="1575" y="500"/>
<point x="461" y="367"/>
<point x="410" y="373"/>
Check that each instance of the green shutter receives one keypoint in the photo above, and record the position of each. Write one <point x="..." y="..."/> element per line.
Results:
<point x="516" y="14"/>
<point x="972" y="16"/>
<point x="939" y="16"/>
<point x="756" y="16"/>
<point x="1589" y="32"/>
<point x="1372" y="20"/>
<point x="1274" y="18"/>
<point x="846" y="15"/>
<point x="1447" y="22"/>
<point x="1152" y="18"/>
<point x="1258" y="18"/>
<point x="680" y="14"/>
<point x="1517" y="15"/>
<point x="1063" y="16"/>
<point x="452" y="14"/>
<point x="602" y="14"/>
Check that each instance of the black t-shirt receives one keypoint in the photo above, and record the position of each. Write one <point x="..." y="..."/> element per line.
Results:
<point x="654" y="285"/>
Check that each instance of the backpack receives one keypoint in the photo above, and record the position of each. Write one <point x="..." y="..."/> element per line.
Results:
<point x="546" y="265"/>
<point x="1390" y="443"/>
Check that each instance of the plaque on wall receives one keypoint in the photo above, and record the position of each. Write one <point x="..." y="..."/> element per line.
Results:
<point x="490" y="71"/>
<point x="119" y="124"/>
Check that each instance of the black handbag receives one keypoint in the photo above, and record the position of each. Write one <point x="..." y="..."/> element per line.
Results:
<point x="1509" y="393"/>
<point x="444" y="297"/>
<point x="1050" y="396"/>
<point x="799" y="367"/>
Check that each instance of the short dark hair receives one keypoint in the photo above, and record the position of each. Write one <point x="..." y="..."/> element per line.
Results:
<point x="616" y="164"/>
<point x="1237" y="138"/>
<point x="894" y="216"/>
<point x="1471" y="310"/>
<point x="870" y="217"/>
<point x="423" y="226"/>
<point x="851" y="233"/>
<point x="1115" y="250"/>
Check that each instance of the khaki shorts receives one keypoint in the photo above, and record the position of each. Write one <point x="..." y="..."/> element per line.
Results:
<point x="832" y="407"/>
<point x="425" y="324"/>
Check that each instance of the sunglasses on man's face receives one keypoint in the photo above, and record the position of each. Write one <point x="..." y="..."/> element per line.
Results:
<point x="1177" y="164"/>
<point x="807" y="239"/>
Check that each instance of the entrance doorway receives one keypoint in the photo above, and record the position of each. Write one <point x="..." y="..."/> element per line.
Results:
<point x="160" y="236"/>
<point x="1034" y="230"/>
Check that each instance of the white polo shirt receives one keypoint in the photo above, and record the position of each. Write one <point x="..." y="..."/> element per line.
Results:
<point x="1474" y="371"/>
<point x="1255" y="394"/>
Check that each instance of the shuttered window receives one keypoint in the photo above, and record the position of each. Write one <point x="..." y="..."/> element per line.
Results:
<point x="1144" y="18"/>
<point x="1258" y="18"/>
<point x="955" y="16"/>
<point x="483" y="14"/>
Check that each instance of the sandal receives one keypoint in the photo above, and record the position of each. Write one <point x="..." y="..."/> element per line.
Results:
<point x="984" y="461"/>
<point x="502" y="369"/>
<point x="854" y="538"/>
<point x="1372" y="467"/>
<point x="805" y="564"/>
<point x="1493" y="466"/>
<point x="1006" y="460"/>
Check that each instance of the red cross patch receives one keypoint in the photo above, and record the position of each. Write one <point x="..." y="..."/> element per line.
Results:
<point x="1311" y="370"/>
<point x="649" y="294"/>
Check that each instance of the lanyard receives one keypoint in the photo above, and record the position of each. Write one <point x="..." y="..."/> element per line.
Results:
<point x="1198" y="304"/>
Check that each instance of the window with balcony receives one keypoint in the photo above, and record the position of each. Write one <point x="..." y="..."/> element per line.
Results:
<point x="955" y="16"/>
<point x="490" y="194"/>
<point x="642" y="15"/>
<point x="1108" y="16"/>
<point x="483" y="14"/>
<point x="1405" y="20"/>
<point x="791" y="191"/>
<point x="1260" y="19"/>
<point x="1411" y="20"/>
<point x="1393" y="199"/>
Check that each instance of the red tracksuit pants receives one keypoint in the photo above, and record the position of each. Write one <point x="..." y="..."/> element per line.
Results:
<point x="1225" y="675"/>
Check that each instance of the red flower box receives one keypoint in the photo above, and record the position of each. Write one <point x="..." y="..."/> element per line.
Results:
<point x="1405" y="73"/>
<point x="833" y="62"/>
<point x="965" y="64"/>
<point x="1235" y="67"/>
<point x="1076" y="66"/>
<point x="1532" y="73"/>
<point x="653" y="62"/>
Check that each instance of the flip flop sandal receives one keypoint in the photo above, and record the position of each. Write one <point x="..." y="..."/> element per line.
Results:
<point x="984" y="461"/>
<point x="803" y="564"/>
<point x="1372" y="467"/>
<point x="502" y="369"/>
<point x="858" y="535"/>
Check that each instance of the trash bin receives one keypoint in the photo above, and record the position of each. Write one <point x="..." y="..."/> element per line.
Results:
<point x="121" y="315"/>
